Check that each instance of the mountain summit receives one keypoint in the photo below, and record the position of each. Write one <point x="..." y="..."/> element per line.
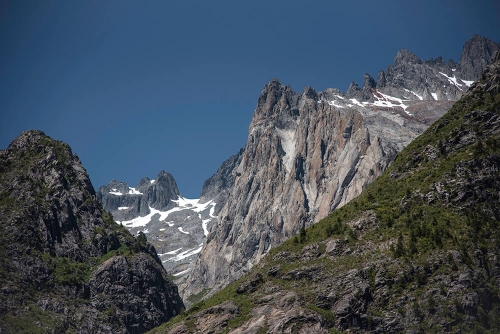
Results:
<point x="65" y="265"/>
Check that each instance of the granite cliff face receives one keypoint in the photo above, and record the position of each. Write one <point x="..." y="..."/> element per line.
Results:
<point x="310" y="153"/>
<point x="417" y="252"/>
<point x="65" y="264"/>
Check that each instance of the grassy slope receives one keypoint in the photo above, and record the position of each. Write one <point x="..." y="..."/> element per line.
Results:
<point x="413" y="235"/>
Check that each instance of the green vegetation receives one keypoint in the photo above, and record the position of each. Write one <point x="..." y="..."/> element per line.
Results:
<point x="198" y="296"/>
<point x="70" y="272"/>
<point x="33" y="321"/>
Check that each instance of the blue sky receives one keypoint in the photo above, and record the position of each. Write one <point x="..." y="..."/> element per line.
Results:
<point x="136" y="87"/>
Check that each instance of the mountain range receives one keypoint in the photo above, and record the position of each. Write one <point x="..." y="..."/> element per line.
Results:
<point x="176" y="226"/>
<point x="310" y="153"/>
<point x="417" y="251"/>
<point x="406" y="199"/>
<point x="306" y="155"/>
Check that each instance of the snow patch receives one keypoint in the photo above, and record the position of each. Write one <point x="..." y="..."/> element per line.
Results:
<point x="185" y="254"/>
<point x="182" y="272"/>
<point x="132" y="191"/>
<point x="142" y="221"/>
<point x="171" y="252"/>
<point x="212" y="210"/>
<point x="410" y="91"/>
<point x="152" y="181"/>
<point x="334" y="104"/>
<point x="452" y="80"/>
<point x="386" y="102"/>
<point x="182" y="231"/>
<point x="123" y="208"/>
<point x="356" y="102"/>
<point x="468" y="83"/>
<point x="117" y="193"/>
<point x="204" y="224"/>
<point x="192" y="204"/>
<point x="435" y="96"/>
<point x="183" y="204"/>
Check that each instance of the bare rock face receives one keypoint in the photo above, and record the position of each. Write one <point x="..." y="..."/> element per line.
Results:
<point x="476" y="55"/>
<point x="310" y="153"/>
<point x="218" y="186"/>
<point x="136" y="286"/>
<point x="65" y="264"/>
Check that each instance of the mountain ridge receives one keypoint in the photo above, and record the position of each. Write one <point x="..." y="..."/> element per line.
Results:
<point x="312" y="152"/>
<point x="157" y="208"/>
<point x="417" y="251"/>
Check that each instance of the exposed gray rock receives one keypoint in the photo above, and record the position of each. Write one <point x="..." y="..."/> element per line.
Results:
<point x="369" y="82"/>
<point x="126" y="203"/>
<point x="217" y="187"/>
<point x="310" y="153"/>
<point x="476" y="54"/>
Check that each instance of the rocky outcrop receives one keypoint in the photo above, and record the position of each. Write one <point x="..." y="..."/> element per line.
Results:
<point x="476" y="54"/>
<point x="66" y="265"/>
<point x="310" y="153"/>
<point x="126" y="203"/>
<point x="218" y="186"/>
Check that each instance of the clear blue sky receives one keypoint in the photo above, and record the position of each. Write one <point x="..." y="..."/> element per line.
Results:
<point x="139" y="86"/>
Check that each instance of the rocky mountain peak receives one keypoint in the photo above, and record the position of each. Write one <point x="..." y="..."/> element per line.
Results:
<point x="26" y="140"/>
<point x="164" y="190"/>
<point x="476" y="54"/>
<point x="66" y="253"/>
<point x="330" y="94"/>
<point x="352" y="89"/>
<point x="361" y="94"/>
<point x="274" y="98"/>
<point x="143" y="184"/>
<point x="381" y="80"/>
<point x="368" y="81"/>
<point x="309" y="92"/>
<point x="406" y="57"/>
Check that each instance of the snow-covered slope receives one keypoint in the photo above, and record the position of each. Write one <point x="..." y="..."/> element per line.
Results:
<point x="177" y="226"/>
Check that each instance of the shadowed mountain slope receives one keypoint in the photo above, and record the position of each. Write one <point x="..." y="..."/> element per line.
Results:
<point x="65" y="265"/>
